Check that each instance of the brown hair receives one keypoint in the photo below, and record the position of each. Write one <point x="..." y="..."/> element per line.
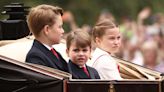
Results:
<point x="80" y="37"/>
<point x="101" y="26"/>
<point x="42" y="15"/>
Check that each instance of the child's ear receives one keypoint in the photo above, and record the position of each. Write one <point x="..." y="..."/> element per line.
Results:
<point x="46" y="29"/>
<point x="90" y="56"/>
<point x="97" y="40"/>
<point x="67" y="51"/>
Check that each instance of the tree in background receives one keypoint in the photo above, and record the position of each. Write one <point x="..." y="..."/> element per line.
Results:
<point x="87" y="11"/>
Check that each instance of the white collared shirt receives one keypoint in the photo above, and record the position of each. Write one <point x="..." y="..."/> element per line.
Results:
<point x="105" y="65"/>
<point x="48" y="47"/>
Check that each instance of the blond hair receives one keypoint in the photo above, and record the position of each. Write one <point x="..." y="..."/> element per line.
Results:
<point x="101" y="26"/>
<point x="42" y="15"/>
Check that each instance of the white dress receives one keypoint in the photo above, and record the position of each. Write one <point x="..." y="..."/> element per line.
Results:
<point x="105" y="65"/>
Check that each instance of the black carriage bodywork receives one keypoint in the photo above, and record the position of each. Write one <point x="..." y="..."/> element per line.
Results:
<point x="16" y="76"/>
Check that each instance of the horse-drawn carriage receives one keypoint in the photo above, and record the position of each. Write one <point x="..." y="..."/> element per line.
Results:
<point x="18" y="76"/>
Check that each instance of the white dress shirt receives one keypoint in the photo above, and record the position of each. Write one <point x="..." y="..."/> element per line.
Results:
<point x="48" y="47"/>
<point x="105" y="65"/>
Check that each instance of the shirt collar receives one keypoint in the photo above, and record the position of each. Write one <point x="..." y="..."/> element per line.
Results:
<point x="48" y="47"/>
<point x="101" y="51"/>
<point x="78" y="65"/>
<point x="82" y="66"/>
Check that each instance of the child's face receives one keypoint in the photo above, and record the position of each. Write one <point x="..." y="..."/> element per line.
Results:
<point x="56" y="31"/>
<point x="110" y="41"/>
<point x="78" y="55"/>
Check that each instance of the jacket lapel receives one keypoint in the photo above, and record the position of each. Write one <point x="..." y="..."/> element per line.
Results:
<point x="49" y="54"/>
<point x="90" y="73"/>
<point x="77" y="72"/>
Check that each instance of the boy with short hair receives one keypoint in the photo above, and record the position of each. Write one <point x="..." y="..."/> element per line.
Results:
<point x="45" y="22"/>
<point x="78" y="44"/>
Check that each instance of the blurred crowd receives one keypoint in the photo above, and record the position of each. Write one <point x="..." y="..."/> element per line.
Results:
<point x="142" y="39"/>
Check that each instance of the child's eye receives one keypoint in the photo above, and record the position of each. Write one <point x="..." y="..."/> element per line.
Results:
<point x="76" y="50"/>
<point x="111" y="38"/>
<point x="60" y="26"/>
<point x="85" y="50"/>
<point x="118" y="37"/>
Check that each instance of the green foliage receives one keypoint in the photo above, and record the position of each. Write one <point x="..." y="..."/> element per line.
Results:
<point x="87" y="11"/>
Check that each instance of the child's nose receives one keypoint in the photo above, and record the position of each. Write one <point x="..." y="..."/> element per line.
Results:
<point x="62" y="30"/>
<point x="81" y="53"/>
<point x="116" y="41"/>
